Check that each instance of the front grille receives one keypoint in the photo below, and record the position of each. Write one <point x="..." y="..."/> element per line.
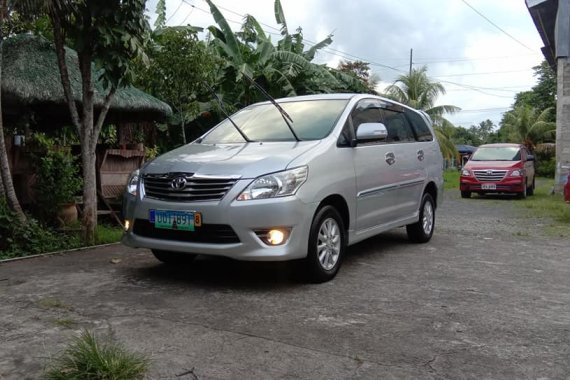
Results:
<point x="185" y="187"/>
<point x="207" y="233"/>
<point x="490" y="175"/>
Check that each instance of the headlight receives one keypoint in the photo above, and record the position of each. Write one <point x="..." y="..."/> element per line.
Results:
<point x="274" y="185"/>
<point x="133" y="182"/>
<point x="465" y="173"/>
<point x="517" y="173"/>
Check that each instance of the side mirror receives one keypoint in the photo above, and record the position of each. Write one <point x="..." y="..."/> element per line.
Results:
<point x="530" y="157"/>
<point x="371" y="132"/>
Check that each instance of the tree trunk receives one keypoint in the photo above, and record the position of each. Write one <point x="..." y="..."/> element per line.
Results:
<point x="184" y="130"/>
<point x="88" y="149"/>
<point x="7" y="184"/>
<point x="89" y="219"/>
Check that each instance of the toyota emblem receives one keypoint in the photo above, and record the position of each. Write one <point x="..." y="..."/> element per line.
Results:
<point x="178" y="183"/>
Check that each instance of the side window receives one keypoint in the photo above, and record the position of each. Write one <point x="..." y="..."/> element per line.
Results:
<point x="346" y="136"/>
<point x="366" y="111"/>
<point x="420" y="127"/>
<point x="399" y="129"/>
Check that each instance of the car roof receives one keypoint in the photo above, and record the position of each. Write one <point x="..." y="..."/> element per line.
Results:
<point x="343" y="96"/>
<point x="346" y="96"/>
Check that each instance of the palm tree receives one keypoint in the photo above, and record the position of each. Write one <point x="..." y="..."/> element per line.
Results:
<point x="418" y="91"/>
<point x="529" y="126"/>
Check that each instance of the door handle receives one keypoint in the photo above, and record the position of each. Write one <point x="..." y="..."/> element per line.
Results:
<point x="390" y="158"/>
<point x="420" y="155"/>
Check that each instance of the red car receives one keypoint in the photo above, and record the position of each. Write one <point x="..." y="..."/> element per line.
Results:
<point x="498" y="168"/>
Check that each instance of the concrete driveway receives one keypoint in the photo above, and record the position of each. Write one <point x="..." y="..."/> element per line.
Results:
<point x="487" y="298"/>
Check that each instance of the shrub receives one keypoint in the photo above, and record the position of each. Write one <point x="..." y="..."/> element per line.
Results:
<point x="17" y="240"/>
<point x="58" y="178"/>
<point x="545" y="160"/>
<point x="546" y="168"/>
<point x="87" y="358"/>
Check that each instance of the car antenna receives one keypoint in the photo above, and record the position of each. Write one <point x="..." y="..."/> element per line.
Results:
<point x="225" y="113"/>
<point x="283" y="113"/>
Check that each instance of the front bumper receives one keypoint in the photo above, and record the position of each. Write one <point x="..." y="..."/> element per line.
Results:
<point x="228" y="227"/>
<point x="507" y="185"/>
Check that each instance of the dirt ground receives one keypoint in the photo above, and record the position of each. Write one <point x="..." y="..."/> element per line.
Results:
<point x="487" y="298"/>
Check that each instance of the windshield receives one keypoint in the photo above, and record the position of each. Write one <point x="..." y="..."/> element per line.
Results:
<point x="497" y="154"/>
<point x="312" y="120"/>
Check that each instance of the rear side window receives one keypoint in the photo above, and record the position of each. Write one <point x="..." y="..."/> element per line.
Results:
<point x="399" y="129"/>
<point x="420" y="127"/>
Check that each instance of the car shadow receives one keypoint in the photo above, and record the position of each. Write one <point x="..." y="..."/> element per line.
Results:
<point x="221" y="272"/>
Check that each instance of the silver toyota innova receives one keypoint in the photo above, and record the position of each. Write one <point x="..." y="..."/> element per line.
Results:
<point x="299" y="179"/>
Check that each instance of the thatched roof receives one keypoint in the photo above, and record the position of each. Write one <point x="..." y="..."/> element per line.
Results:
<point x="31" y="80"/>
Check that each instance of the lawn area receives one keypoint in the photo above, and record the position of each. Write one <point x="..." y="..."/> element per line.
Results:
<point x="545" y="204"/>
<point x="451" y="179"/>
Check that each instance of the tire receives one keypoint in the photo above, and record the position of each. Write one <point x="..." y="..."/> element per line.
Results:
<point x="523" y="194"/>
<point x="465" y="194"/>
<point x="422" y="230"/>
<point x="530" y="190"/>
<point x="327" y="245"/>
<point x="173" y="258"/>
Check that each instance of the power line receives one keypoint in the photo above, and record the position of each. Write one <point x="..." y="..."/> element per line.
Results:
<point x="485" y="73"/>
<point x="176" y="11"/>
<point x="477" y="89"/>
<point x="502" y="89"/>
<point x="188" y="15"/>
<point x="484" y="110"/>
<point x="495" y="25"/>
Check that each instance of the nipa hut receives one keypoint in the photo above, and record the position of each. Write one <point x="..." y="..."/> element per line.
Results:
<point x="33" y="99"/>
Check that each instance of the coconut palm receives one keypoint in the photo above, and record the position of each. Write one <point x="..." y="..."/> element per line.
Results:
<point x="418" y="91"/>
<point x="529" y="126"/>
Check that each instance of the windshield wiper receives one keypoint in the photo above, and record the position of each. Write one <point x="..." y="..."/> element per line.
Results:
<point x="225" y="113"/>
<point x="283" y="113"/>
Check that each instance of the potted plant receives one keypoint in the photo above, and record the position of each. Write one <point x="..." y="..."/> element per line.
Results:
<point x="57" y="183"/>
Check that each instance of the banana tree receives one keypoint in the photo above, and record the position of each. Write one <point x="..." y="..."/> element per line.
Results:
<point x="283" y="70"/>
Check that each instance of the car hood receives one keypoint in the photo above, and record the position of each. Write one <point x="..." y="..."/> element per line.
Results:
<point x="248" y="160"/>
<point x="475" y="165"/>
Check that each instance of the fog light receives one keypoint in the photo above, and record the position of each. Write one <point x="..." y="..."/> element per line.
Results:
<point x="127" y="224"/>
<point x="274" y="236"/>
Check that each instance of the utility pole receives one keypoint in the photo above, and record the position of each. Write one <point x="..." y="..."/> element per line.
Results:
<point x="411" y="55"/>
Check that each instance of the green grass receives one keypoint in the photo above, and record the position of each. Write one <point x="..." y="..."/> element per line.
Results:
<point x="88" y="358"/>
<point x="65" y="322"/>
<point x="53" y="303"/>
<point x="544" y="204"/>
<point x="451" y="179"/>
<point x="106" y="234"/>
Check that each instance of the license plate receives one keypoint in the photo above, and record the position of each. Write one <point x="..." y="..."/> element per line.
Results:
<point x="175" y="220"/>
<point x="488" y="186"/>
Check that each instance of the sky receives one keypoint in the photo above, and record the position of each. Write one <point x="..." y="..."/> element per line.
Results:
<point x="482" y="51"/>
